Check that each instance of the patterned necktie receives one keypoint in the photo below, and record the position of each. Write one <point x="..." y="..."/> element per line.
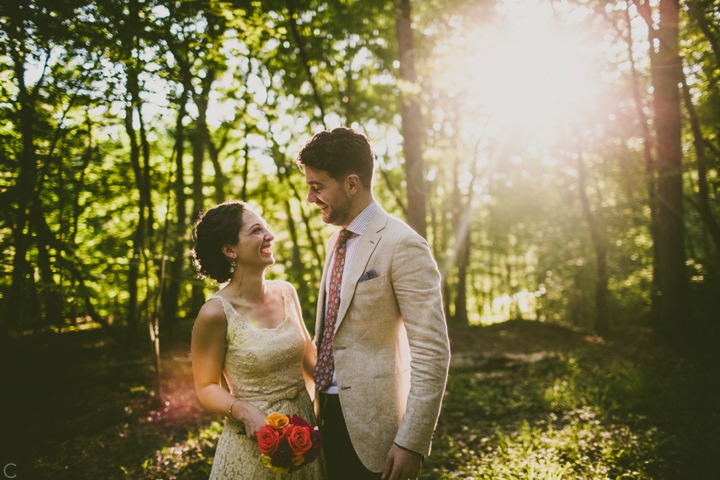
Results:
<point x="325" y="364"/>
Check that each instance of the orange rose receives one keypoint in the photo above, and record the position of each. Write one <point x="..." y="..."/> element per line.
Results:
<point x="268" y="440"/>
<point x="277" y="420"/>
<point x="299" y="439"/>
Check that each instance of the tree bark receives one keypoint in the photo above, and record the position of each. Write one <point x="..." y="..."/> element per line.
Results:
<point x="199" y="144"/>
<point x="173" y="279"/>
<point x="666" y="68"/>
<point x="411" y="119"/>
<point x="139" y="235"/>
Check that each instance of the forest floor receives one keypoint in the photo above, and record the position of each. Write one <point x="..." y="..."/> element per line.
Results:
<point x="525" y="400"/>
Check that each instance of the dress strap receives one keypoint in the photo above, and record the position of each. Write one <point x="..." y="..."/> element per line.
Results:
<point x="292" y="305"/>
<point x="230" y="313"/>
<point x="227" y="307"/>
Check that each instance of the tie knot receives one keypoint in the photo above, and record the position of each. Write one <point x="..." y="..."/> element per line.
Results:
<point x="344" y="235"/>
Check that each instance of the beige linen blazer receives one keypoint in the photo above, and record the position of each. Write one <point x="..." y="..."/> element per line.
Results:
<point x="391" y="347"/>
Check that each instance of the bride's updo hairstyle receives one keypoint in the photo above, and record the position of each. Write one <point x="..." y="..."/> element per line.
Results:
<point x="217" y="227"/>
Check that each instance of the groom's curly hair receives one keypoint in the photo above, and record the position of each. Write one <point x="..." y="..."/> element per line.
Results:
<point x="217" y="227"/>
<point x="340" y="152"/>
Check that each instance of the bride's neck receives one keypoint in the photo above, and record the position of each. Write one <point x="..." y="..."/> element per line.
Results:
<point x="250" y="287"/>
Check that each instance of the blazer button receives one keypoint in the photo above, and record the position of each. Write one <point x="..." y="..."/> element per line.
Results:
<point x="345" y="388"/>
<point x="339" y="348"/>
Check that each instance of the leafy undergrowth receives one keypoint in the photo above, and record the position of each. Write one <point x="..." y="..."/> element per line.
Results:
<point x="591" y="409"/>
<point x="602" y="410"/>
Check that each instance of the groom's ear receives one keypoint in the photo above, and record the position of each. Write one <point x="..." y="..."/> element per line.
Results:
<point x="352" y="183"/>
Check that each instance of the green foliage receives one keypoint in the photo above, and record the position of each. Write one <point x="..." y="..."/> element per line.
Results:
<point x="221" y="95"/>
<point x="630" y="411"/>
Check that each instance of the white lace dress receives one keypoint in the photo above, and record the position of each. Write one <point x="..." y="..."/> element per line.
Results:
<point x="263" y="366"/>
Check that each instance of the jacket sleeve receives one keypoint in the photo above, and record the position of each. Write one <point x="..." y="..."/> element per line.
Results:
<point x="416" y="282"/>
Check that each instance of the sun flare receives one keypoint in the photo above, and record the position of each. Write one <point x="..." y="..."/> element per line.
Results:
<point x="522" y="71"/>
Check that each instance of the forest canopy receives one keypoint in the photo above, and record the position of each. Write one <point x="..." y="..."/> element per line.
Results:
<point x="560" y="157"/>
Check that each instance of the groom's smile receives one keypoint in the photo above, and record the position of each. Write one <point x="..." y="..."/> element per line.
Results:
<point x="328" y="194"/>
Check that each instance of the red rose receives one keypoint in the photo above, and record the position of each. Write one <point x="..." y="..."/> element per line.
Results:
<point x="299" y="439"/>
<point x="268" y="440"/>
<point x="298" y="420"/>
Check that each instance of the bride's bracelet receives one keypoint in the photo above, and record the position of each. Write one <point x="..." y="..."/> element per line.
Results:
<point x="230" y="409"/>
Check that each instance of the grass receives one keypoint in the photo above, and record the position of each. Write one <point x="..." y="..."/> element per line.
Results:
<point x="590" y="409"/>
<point x="625" y="410"/>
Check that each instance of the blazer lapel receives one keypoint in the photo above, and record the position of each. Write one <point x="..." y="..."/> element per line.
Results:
<point x="368" y="242"/>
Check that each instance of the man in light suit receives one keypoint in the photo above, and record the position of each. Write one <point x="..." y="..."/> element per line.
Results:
<point x="383" y="350"/>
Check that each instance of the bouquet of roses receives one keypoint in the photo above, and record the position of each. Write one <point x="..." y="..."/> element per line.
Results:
<point x="287" y="443"/>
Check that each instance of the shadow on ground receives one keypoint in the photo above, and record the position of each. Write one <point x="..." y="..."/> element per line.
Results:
<point x="524" y="400"/>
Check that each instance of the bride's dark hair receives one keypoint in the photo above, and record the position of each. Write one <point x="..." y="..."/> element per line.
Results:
<point x="214" y="228"/>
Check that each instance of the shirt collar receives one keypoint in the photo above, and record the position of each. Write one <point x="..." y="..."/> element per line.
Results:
<point x="359" y="223"/>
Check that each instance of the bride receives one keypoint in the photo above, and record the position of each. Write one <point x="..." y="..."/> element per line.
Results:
<point x="251" y="332"/>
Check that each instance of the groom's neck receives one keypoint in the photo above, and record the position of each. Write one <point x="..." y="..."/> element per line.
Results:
<point x="359" y="203"/>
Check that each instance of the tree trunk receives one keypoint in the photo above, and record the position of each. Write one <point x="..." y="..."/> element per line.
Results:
<point x="198" y="144"/>
<point x="20" y="290"/>
<point x="463" y="256"/>
<point x="695" y="12"/>
<point x="703" y="203"/>
<point x="666" y="74"/>
<point x="172" y="291"/>
<point x="602" y="314"/>
<point x="246" y="167"/>
<point x="139" y="235"/>
<point x="650" y="180"/>
<point x="411" y="119"/>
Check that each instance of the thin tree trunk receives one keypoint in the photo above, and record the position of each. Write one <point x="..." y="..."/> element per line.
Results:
<point x="198" y="141"/>
<point x="456" y="258"/>
<point x="139" y="235"/>
<point x="703" y="204"/>
<point x="246" y="169"/>
<point x="464" y="213"/>
<point x="20" y="291"/>
<point x="411" y="120"/>
<point x="650" y="173"/>
<point x="602" y="313"/>
<point x="146" y="184"/>
<point x="695" y="12"/>
<point x="172" y="291"/>
<point x="198" y="296"/>
<point x="51" y="298"/>
<point x="463" y="256"/>
<point x="300" y="42"/>
<point x="392" y="190"/>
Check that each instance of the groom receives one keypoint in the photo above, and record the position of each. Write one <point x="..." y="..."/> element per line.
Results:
<point x="383" y="349"/>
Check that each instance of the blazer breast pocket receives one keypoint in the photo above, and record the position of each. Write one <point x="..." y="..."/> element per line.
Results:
<point x="369" y="286"/>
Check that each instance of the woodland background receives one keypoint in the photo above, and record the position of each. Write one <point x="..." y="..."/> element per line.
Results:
<point x="594" y="209"/>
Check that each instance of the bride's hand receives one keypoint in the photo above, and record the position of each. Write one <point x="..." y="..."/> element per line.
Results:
<point x="253" y="418"/>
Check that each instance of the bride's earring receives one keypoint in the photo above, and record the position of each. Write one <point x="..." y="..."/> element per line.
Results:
<point x="232" y="266"/>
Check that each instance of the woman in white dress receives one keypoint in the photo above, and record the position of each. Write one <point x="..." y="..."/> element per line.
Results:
<point x="251" y="332"/>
